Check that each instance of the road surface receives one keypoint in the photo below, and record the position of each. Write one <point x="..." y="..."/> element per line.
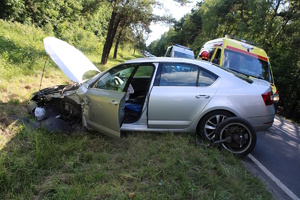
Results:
<point x="276" y="159"/>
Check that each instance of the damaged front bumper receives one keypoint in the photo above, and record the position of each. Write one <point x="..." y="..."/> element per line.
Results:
<point x="59" y="102"/>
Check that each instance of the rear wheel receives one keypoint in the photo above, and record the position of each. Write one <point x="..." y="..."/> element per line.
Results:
<point x="210" y="122"/>
<point x="238" y="135"/>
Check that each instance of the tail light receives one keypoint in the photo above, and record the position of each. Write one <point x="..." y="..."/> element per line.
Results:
<point x="268" y="98"/>
<point x="276" y="96"/>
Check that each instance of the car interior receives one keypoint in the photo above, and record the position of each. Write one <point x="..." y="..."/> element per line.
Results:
<point x="140" y="83"/>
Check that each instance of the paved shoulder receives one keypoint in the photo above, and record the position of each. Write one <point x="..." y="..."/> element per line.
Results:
<point x="277" y="151"/>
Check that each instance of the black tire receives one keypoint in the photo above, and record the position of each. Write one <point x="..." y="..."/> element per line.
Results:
<point x="240" y="135"/>
<point x="210" y="122"/>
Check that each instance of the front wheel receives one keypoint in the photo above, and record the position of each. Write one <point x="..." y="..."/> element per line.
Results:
<point x="238" y="136"/>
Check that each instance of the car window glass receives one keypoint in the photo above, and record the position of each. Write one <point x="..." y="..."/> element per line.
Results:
<point x="169" y="50"/>
<point x="211" y="53"/>
<point x="144" y="71"/>
<point x="176" y="74"/>
<point x="216" y="59"/>
<point x="178" y="54"/>
<point x="115" y="79"/>
<point x="209" y="49"/>
<point x="206" y="78"/>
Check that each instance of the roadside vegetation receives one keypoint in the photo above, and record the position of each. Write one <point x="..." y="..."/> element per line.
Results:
<point x="37" y="164"/>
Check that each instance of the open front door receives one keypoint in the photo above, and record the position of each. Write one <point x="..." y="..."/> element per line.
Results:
<point x="104" y="110"/>
<point x="104" y="101"/>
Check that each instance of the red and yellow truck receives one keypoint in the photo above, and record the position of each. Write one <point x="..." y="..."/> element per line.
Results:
<point x="240" y="56"/>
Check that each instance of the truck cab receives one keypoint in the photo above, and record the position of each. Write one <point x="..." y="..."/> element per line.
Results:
<point x="179" y="51"/>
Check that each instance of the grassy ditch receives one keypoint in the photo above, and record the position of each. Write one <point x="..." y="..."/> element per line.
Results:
<point x="37" y="164"/>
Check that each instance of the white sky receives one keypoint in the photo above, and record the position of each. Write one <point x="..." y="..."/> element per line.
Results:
<point x="175" y="10"/>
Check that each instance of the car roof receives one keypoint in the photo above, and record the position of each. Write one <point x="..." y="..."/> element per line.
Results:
<point x="167" y="59"/>
<point x="205" y="64"/>
<point x="220" y="71"/>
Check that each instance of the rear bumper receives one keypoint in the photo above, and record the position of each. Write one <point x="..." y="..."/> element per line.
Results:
<point x="262" y="123"/>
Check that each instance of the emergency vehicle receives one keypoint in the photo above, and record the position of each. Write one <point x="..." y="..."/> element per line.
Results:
<point x="240" y="56"/>
<point x="179" y="51"/>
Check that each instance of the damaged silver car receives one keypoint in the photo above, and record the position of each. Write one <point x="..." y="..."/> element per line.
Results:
<point x="158" y="94"/>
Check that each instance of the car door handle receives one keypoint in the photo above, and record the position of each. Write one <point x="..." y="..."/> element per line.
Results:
<point x="202" y="96"/>
<point x="114" y="102"/>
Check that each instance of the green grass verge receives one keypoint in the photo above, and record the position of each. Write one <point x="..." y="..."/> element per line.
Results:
<point x="37" y="164"/>
<point x="47" y="165"/>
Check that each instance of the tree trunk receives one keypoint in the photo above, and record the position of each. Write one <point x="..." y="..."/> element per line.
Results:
<point x="111" y="33"/>
<point x="117" y="44"/>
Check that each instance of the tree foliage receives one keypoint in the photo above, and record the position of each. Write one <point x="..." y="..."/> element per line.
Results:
<point x="273" y="25"/>
<point x="124" y="13"/>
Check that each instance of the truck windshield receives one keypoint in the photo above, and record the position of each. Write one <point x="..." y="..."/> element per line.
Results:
<point x="247" y="64"/>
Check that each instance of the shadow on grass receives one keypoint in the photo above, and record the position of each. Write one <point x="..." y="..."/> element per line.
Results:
<point x="11" y="108"/>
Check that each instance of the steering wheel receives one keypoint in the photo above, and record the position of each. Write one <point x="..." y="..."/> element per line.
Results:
<point x="118" y="81"/>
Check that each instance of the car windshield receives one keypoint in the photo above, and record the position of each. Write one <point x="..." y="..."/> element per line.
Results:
<point x="182" y="55"/>
<point x="247" y="64"/>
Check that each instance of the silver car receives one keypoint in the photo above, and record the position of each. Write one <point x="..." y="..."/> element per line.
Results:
<point x="155" y="94"/>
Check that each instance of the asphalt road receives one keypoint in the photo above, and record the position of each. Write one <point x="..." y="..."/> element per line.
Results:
<point x="276" y="159"/>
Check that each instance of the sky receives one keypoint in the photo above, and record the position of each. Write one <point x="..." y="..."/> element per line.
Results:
<point x="175" y="10"/>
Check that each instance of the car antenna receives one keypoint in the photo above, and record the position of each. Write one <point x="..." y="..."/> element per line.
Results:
<point x="43" y="72"/>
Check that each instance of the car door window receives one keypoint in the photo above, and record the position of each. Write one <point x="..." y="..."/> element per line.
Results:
<point x="217" y="56"/>
<point x="206" y="78"/>
<point x="176" y="74"/>
<point x="115" y="79"/>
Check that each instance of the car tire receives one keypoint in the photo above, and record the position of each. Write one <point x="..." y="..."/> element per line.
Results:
<point x="210" y="122"/>
<point x="238" y="135"/>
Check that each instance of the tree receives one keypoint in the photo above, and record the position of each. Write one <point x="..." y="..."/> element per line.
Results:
<point x="124" y="13"/>
<point x="124" y="35"/>
<point x="42" y="13"/>
<point x="128" y="12"/>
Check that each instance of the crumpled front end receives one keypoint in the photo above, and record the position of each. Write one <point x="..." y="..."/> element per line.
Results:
<point x="60" y="102"/>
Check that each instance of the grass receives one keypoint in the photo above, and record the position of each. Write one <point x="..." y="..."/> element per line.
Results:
<point x="92" y="166"/>
<point x="37" y="164"/>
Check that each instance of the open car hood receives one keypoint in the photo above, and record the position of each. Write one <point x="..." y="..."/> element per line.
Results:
<point x="69" y="59"/>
